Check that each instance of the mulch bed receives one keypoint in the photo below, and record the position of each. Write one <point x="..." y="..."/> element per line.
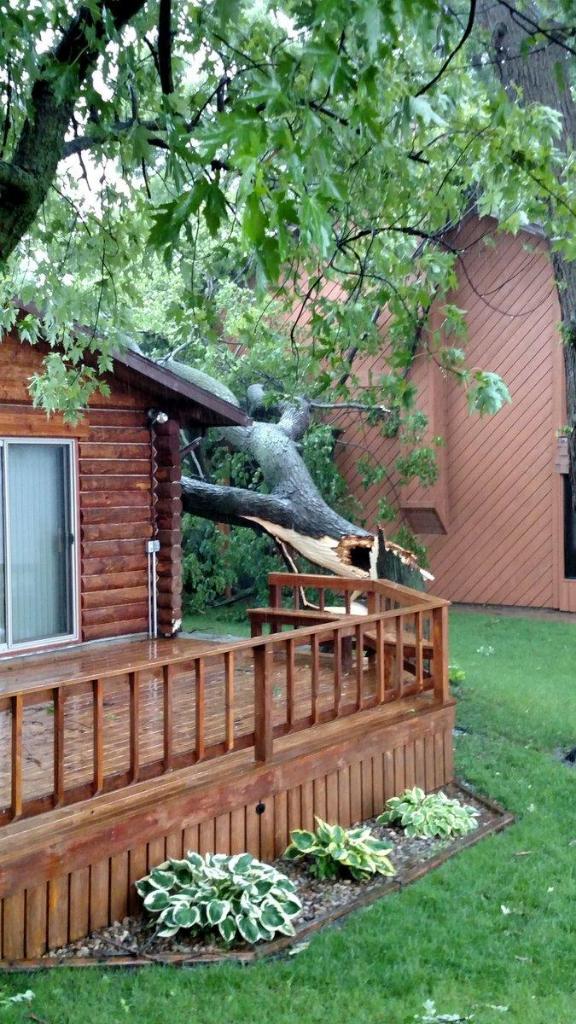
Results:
<point x="132" y="942"/>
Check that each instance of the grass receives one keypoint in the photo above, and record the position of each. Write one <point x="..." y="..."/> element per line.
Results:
<point x="492" y="929"/>
<point x="215" y="621"/>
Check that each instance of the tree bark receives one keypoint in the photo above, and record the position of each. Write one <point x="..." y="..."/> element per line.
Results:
<point x="26" y="177"/>
<point x="536" y="78"/>
<point x="291" y="508"/>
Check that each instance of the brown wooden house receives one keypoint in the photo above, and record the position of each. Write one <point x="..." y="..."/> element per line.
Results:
<point x="498" y="524"/>
<point x="118" y="748"/>
<point x="82" y="504"/>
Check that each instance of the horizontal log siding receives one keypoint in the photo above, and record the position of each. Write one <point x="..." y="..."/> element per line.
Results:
<point x="168" y="516"/>
<point x="114" y="485"/>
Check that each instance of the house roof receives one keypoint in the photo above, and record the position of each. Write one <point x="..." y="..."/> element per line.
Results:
<point x="193" y="404"/>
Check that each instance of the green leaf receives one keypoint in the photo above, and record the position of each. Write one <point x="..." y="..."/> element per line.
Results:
<point x="186" y="917"/>
<point x="227" y="929"/>
<point x="241" y="863"/>
<point x="302" y="840"/>
<point x="157" y="900"/>
<point x="215" y="211"/>
<point x="271" y="917"/>
<point x="248" y="928"/>
<point x="162" y="879"/>
<point x="217" y="910"/>
<point x="255" y="220"/>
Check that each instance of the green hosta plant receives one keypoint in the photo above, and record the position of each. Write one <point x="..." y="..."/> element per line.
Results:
<point x="456" y="674"/>
<point x="333" y="850"/>
<point x="429" y="816"/>
<point x="231" y="898"/>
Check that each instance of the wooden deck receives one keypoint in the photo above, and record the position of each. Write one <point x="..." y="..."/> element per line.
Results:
<point x="116" y="754"/>
<point x="39" y="721"/>
<point x="90" y="720"/>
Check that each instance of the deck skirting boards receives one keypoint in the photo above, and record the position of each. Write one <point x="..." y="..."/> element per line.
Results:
<point x="69" y="871"/>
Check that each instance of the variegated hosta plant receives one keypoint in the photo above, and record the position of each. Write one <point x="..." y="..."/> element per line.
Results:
<point x="427" y="817"/>
<point x="333" y="850"/>
<point x="229" y="898"/>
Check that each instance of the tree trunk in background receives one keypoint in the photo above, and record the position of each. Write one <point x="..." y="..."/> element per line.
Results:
<point x="536" y="76"/>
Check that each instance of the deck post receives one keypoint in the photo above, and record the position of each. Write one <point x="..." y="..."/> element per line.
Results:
<point x="440" y="653"/>
<point x="263" y="734"/>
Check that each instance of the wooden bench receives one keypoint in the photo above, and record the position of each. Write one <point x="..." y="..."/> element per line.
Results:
<point x="278" y="617"/>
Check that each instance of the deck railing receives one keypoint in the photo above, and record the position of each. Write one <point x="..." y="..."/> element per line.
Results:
<point x="84" y="735"/>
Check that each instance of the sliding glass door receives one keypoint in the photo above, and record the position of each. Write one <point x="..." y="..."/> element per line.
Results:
<point x="37" y="570"/>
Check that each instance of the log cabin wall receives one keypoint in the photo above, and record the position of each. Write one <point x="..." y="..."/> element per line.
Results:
<point x="168" y="522"/>
<point x="114" y="467"/>
<point x="504" y="541"/>
<point x="116" y="518"/>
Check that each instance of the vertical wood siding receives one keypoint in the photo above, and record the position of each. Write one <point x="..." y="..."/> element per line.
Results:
<point x="500" y="545"/>
<point x="79" y="898"/>
<point x="503" y="544"/>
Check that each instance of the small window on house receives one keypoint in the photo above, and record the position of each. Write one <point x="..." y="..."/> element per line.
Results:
<point x="37" y="558"/>
<point x="569" y="531"/>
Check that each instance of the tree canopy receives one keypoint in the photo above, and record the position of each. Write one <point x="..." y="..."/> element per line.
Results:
<point x="318" y="148"/>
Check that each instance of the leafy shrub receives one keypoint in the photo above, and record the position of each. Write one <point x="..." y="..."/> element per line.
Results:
<point x="428" y="816"/>
<point x="334" y="850"/>
<point x="456" y="674"/>
<point x="223" y="897"/>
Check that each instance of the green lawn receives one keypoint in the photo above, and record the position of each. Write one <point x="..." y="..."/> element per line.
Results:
<point x="493" y="928"/>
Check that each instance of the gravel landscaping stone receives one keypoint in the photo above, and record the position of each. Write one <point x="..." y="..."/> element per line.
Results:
<point x="322" y="900"/>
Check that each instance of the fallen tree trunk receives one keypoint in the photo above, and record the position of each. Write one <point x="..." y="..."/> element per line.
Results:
<point x="291" y="508"/>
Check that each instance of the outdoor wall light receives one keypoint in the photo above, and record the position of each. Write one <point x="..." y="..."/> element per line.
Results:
<point x="157" y="416"/>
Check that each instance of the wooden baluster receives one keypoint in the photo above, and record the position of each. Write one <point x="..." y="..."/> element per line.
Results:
<point x="337" y="672"/>
<point x="290" y="681"/>
<point x="275" y="601"/>
<point x="315" y="678"/>
<point x="359" y="635"/>
<point x="399" y="656"/>
<point x="321" y="598"/>
<point x="229" y="683"/>
<point x="58" y="698"/>
<point x="347" y="602"/>
<point x="372" y="602"/>
<point x="134" y="682"/>
<point x="440" y="653"/>
<point x="380" y="662"/>
<point x="98" y="734"/>
<point x="263" y="724"/>
<point x="200" y="708"/>
<point x="296" y="598"/>
<point x="419" y="659"/>
<point x="17" y="723"/>
<point x="167" y="684"/>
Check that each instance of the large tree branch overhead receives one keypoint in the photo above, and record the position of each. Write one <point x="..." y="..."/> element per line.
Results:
<point x="26" y="177"/>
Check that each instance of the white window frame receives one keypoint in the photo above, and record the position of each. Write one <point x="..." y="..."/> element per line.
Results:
<point x="5" y="444"/>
